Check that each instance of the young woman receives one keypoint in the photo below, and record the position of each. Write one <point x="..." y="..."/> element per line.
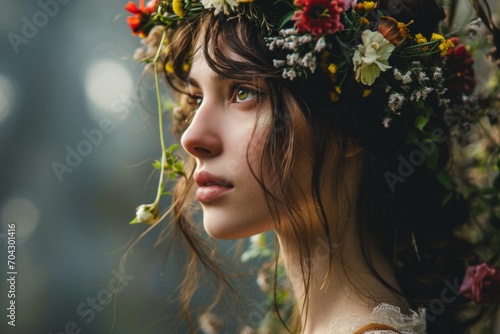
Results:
<point x="321" y="121"/>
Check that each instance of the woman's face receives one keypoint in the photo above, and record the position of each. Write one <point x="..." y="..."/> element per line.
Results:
<point x="219" y="136"/>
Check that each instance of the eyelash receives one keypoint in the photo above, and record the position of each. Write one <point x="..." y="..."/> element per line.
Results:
<point x="234" y="89"/>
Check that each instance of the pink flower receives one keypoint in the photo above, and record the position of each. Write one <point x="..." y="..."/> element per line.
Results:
<point x="349" y="3"/>
<point x="482" y="284"/>
<point x="318" y="17"/>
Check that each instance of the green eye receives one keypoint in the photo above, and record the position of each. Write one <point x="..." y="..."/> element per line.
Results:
<point x="245" y="94"/>
<point x="242" y="94"/>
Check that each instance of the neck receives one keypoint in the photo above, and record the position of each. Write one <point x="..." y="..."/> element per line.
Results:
<point x="334" y="290"/>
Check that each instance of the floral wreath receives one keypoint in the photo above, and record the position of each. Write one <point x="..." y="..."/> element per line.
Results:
<point x="362" y="50"/>
<point x="349" y="41"/>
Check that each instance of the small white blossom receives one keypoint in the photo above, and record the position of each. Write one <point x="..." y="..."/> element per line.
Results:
<point x="388" y="88"/>
<point x="220" y="5"/>
<point x="422" y="78"/>
<point x="279" y="63"/>
<point x="320" y="45"/>
<point x="291" y="59"/>
<point x="144" y="214"/>
<point x="289" y="74"/>
<point x="292" y="45"/>
<point x="406" y="78"/>
<point x="420" y="94"/>
<point x="271" y="45"/>
<point x="288" y="32"/>
<point x="305" y="39"/>
<point x="416" y="95"/>
<point x="438" y="73"/>
<point x="397" y="75"/>
<point x="371" y="57"/>
<point x="396" y="101"/>
<point x="309" y="61"/>
<point x="386" y="122"/>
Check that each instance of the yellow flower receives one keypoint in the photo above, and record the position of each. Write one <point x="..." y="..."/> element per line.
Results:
<point x="332" y="68"/>
<point x="368" y="5"/>
<point x="420" y="39"/>
<point x="335" y="95"/>
<point x="169" y="68"/>
<point x="363" y="21"/>
<point x="178" y="7"/>
<point x="445" y="46"/>
<point x="186" y="67"/>
<point x="367" y="92"/>
<point x="436" y="37"/>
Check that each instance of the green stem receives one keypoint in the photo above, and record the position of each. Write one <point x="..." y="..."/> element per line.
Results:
<point x="160" y="119"/>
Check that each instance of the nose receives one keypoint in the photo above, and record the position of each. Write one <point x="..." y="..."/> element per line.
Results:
<point x="202" y="137"/>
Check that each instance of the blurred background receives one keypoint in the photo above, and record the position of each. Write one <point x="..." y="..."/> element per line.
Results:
<point x="78" y="134"/>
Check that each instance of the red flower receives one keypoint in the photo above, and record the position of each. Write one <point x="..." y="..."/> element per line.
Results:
<point x="482" y="284"/>
<point x="458" y="72"/>
<point x="141" y="23"/>
<point x="318" y="17"/>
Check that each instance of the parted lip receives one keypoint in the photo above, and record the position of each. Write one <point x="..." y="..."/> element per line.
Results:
<point x="207" y="179"/>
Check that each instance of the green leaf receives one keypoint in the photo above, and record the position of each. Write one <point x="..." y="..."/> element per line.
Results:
<point x="285" y="19"/>
<point x="421" y="122"/>
<point x="173" y="147"/>
<point x="446" y="199"/>
<point x="411" y="137"/>
<point x="445" y="179"/>
<point x="134" y="221"/>
<point x="432" y="160"/>
<point x="157" y="164"/>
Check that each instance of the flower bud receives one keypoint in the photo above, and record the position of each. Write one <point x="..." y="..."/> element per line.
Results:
<point x="147" y="214"/>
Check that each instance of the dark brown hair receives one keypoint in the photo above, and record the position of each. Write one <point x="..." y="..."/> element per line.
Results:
<point x="409" y="222"/>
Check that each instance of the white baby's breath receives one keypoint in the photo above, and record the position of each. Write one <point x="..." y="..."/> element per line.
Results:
<point x="220" y="5"/>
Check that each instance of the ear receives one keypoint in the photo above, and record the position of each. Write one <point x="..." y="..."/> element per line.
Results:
<point x="352" y="149"/>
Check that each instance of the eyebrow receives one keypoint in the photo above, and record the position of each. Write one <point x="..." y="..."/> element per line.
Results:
<point x="214" y="77"/>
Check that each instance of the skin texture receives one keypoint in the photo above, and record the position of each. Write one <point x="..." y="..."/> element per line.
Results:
<point x="232" y="118"/>
<point x="218" y="138"/>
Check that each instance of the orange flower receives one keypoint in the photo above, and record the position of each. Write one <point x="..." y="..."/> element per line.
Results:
<point x="392" y="30"/>
<point x="363" y="21"/>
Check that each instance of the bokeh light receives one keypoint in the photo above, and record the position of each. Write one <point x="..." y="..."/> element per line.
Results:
<point x="8" y="97"/>
<point x="22" y="211"/>
<point x="106" y="81"/>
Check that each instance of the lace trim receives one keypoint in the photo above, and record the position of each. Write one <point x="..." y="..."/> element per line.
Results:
<point x="413" y="323"/>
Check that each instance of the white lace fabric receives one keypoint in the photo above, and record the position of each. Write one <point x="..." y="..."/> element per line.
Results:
<point x="384" y="314"/>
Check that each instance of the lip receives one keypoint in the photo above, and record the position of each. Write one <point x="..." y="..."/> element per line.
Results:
<point x="211" y="187"/>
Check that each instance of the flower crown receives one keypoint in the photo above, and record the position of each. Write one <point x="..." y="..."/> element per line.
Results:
<point x="360" y="48"/>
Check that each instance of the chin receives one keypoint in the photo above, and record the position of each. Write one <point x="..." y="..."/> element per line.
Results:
<point x="232" y="229"/>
